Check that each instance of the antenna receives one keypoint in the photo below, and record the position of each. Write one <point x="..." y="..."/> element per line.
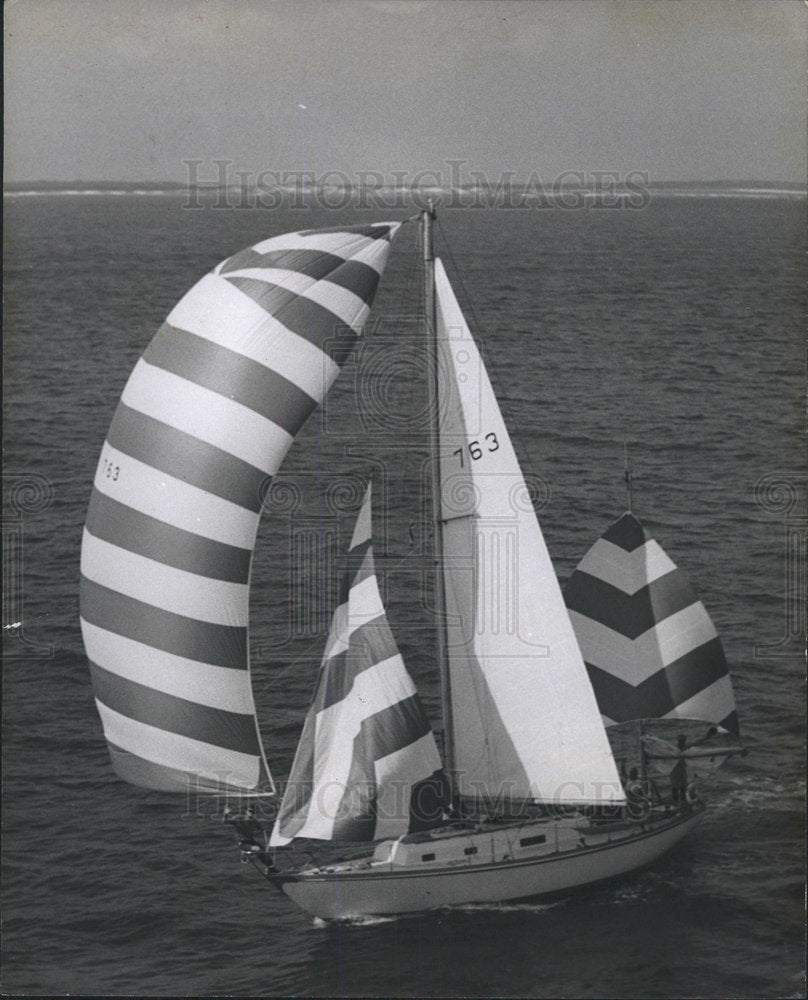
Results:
<point x="627" y="474"/>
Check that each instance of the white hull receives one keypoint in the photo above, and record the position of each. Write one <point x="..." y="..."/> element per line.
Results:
<point x="589" y="854"/>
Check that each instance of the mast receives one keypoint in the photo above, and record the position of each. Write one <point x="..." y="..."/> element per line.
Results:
<point x="427" y="217"/>
<point x="627" y="474"/>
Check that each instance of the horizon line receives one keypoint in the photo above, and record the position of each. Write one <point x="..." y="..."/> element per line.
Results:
<point x="111" y="183"/>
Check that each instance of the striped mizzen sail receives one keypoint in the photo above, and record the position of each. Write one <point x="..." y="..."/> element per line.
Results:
<point x="367" y="755"/>
<point x="650" y="647"/>
<point x="204" y="422"/>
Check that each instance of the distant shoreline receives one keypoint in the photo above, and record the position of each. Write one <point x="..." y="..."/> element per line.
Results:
<point x="511" y="195"/>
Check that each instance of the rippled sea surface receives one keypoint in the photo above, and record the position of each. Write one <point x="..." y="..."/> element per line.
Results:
<point x="678" y="328"/>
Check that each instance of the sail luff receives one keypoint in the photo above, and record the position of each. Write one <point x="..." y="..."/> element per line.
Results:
<point x="204" y="422"/>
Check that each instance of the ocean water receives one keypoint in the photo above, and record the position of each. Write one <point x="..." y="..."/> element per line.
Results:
<point x="678" y="328"/>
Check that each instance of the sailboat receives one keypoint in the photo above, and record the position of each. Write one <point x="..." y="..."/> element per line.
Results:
<point x="525" y="798"/>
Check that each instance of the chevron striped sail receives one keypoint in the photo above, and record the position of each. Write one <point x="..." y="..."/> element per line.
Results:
<point x="650" y="647"/>
<point x="525" y="724"/>
<point x="367" y="766"/>
<point x="203" y="424"/>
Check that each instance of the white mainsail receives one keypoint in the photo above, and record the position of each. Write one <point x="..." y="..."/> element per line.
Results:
<point x="367" y="766"/>
<point x="203" y="424"/>
<point x="525" y="723"/>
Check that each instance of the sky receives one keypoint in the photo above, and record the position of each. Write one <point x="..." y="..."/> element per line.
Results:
<point x="134" y="89"/>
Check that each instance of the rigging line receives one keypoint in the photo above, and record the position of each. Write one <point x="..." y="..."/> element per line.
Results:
<point x="469" y="302"/>
<point x="314" y="649"/>
<point x="627" y="474"/>
<point x="399" y="363"/>
<point x="411" y="284"/>
<point x="315" y="646"/>
<point x="411" y="291"/>
<point x="459" y="274"/>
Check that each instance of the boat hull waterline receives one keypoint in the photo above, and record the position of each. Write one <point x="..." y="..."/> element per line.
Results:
<point x="378" y="888"/>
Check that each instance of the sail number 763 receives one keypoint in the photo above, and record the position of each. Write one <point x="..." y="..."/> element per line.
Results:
<point x="477" y="449"/>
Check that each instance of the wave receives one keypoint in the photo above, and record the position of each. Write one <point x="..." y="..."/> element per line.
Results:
<point x="359" y="921"/>
<point x="375" y="920"/>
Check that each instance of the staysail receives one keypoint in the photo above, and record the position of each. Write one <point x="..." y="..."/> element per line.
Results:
<point x="203" y="424"/>
<point x="525" y="723"/>
<point x="367" y="766"/>
<point x="649" y="645"/>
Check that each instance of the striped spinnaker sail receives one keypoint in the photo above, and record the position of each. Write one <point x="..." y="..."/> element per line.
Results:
<point x="649" y="645"/>
<point x="204" y="422"/>
<point x="367" y="753"/>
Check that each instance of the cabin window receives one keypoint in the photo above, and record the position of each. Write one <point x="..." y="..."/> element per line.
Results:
<point x="530" y="841"/>
<point x="427" y="857"/>
<point x="470" y="850"/>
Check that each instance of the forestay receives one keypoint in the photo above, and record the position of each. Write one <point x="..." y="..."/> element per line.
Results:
<point x="367" y="766"/>
<point x="649" y="645"/>
<point x="525" y="723"/>
<point x="203" y="424"/>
